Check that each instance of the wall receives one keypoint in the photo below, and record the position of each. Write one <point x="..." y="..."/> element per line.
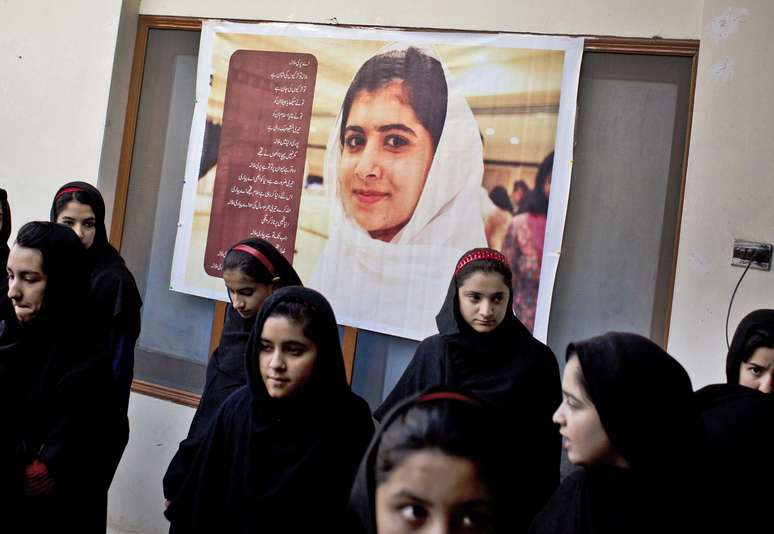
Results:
<point x="729" y="188"/>
<point x="56" y="63"/>
<point x="677" y="19"/>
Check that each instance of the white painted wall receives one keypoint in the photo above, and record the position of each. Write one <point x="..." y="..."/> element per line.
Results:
<point x="136" y="501"/>
<point x="55" y="104"/>
<point x="676" y="19"/>
<point x="730" y="184"/>
<point x="56" y="65"/>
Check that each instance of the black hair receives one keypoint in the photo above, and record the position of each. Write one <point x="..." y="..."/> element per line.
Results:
<point x="536" y="201"/>
<point x="304" y="313"/>
<point x="454" y="427"/>
<point x="758" y="339"/>
<point x="247" y="264"/>
<point x="579" y="376"/>
<point x="499" y="196"/>
<point x="485" y="266"/>
<point x="423" y="83"/>
<point x="61" y="202"/>
<point x="521" y="186"/>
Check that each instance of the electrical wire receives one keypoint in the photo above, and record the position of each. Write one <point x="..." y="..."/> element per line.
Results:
<point x="728" y="315"/>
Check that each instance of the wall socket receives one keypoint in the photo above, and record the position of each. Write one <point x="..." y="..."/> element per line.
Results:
<point x="760" y="253"/>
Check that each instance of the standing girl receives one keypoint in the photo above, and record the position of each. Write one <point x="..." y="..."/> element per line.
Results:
<point x="53" y="385"/>
<point x="281" y="453"/>
<point x="482" y="347"/>
<point x="117" y="302"/>
<point x="252" y="270"/>
<point x="629" y="418"/>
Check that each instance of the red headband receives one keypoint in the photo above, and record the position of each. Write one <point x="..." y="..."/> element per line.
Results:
<point x="69" y="190"/>
<point x="257" y="255"/>
<point x="484" y="254"/>
<point x="447" y="395"/>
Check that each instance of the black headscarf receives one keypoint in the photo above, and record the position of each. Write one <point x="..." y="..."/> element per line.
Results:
<point x="739" y="428"/>
<point x="500" y="449"/>
<point x="752" y="323"/>
<point x="508" y="368"/>
<point x="645" y="403"/>
<point x="271" y="465"/>
<point x="6" y="308"/>
<point x="5" y="229"/>
<point x="226" y="368"/>
<point x="54" y="378"/>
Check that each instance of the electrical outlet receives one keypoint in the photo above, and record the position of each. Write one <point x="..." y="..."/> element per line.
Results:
<point x="745" y="251"/>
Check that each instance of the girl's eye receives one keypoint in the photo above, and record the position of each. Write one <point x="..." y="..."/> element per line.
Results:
<point x="497" y="300"/>
<point x="246" y="292"/>
<point x="88" y="224"/>
<point x="265" y="347"/>
<point x="755" y="370"/>
<point x="413" y="514"/>
<point x="354" y="141"/>
<point x="395" y="141"/>
<point x="475" y="520"/>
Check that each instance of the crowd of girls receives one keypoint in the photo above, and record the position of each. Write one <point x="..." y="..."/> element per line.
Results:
<point x="470" y="438"/>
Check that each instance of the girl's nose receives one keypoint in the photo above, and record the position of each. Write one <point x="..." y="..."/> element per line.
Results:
<point x="369" y="165"/>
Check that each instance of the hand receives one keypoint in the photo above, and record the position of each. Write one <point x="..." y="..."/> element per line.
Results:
<point x="37" y="480"/>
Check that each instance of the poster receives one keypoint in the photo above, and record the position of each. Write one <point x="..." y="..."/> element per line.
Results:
<point x="373" y="159"/>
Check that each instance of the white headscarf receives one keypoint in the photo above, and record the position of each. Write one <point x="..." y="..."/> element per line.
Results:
<point x="398" y="287"/>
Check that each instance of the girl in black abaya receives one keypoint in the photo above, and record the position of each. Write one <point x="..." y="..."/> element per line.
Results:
<point x="113" y="292"/>
<point x="482" y="348"/>
<point x="52" y="383"/>
<point x="252" y="270"/>
<point x="281" y="453"/>
<point x="750" y="359"/>
<point x="629" y="418"/>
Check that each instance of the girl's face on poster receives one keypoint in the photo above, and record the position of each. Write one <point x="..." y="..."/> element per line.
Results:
<point x="286" y="358"/>
<point x="81" y="219"/>
<point x="758" y="371"/>
<point x="245" y="293"/>
<point x="585" y="439"/>
<point x="431" y="491"/>
<point x="386" y="156"/>
<point x="26" y="282"/>
<point x="483" y="298"/>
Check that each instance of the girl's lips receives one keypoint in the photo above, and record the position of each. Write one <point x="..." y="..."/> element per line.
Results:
<point x="369" y="197"/>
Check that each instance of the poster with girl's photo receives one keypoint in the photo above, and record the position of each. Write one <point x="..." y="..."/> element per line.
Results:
<point x="373" y="158"/>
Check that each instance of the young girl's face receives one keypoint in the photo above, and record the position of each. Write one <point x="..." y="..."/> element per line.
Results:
<point x="758" y="371"/>
<point x="81" y="219"/>
<point x="386" y="156"/>
<point x="26" y="282"/>
<point x="431" y="491"/>
<point x="483" y="298"/>
<point x="245" y="293"/>
<point x="286" y="358"/>
<point x="585" y="439"/>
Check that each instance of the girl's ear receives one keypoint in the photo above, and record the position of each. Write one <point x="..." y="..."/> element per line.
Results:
<point x="275" y="284"/>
